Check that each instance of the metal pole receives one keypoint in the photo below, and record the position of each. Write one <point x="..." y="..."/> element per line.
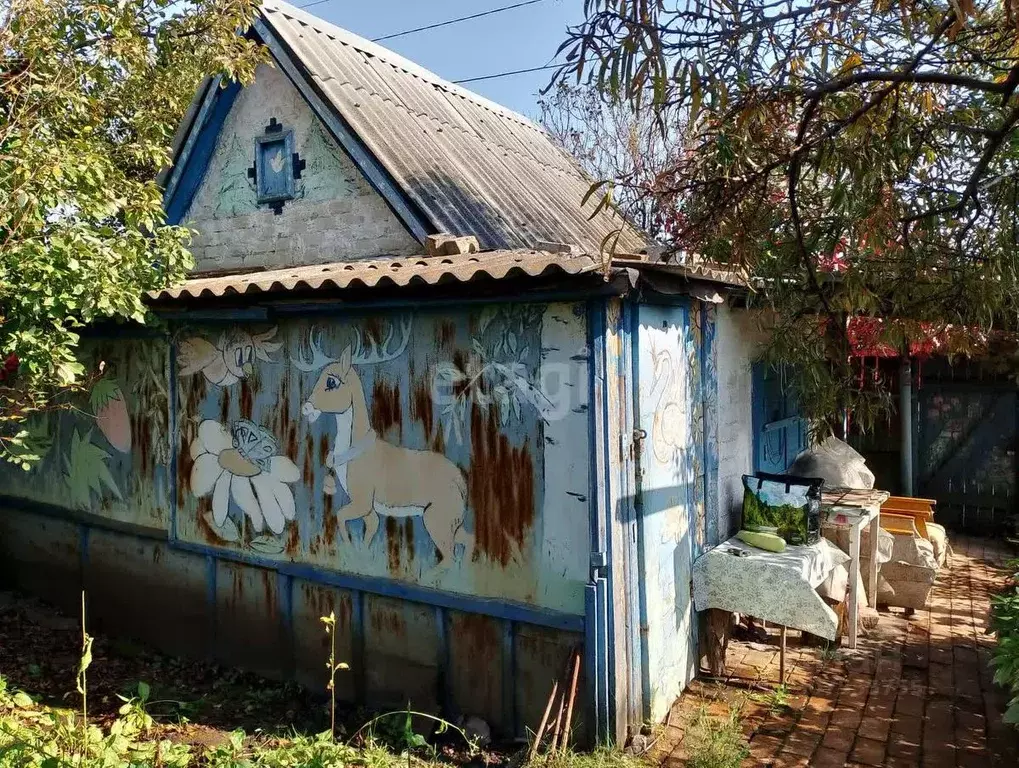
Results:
<point x="906" y="419"/>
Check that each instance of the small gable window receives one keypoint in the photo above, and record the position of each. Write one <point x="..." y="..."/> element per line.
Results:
<point x="276" y="166"/>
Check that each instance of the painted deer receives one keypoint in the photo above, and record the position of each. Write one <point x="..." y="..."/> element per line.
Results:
<point x="380" y="478"/>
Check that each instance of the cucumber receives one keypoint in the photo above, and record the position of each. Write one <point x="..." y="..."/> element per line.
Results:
<point x="767" y="541"/>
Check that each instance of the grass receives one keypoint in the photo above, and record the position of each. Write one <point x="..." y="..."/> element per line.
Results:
<point x="713" y="742"/>
<point x="36" y="735"/>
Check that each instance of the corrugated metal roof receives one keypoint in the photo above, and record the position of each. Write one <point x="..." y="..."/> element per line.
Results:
<point x="473" y="167"/>
<point x="431" y="270"/>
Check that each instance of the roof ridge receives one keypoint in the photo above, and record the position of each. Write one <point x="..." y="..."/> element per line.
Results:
<point x="389" y="57"/>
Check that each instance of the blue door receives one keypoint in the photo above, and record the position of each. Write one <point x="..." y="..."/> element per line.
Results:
<point x="780" y="432"/>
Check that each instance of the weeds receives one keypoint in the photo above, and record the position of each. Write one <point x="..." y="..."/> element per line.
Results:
<point x="1005" y="621"/>
<point x="333" y="667"/>
<point x="714" y="742"/>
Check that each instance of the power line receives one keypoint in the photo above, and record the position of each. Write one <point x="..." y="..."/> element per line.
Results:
<point x="507" y="74"/>
<point x="445" y="23"/>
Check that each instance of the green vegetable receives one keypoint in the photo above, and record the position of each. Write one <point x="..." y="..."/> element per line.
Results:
<point x="768" y="541"/>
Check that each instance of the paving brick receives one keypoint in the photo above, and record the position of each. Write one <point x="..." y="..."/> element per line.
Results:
<point x="917" y="692"/>
<point x="868" y="752"/>
<point x="829" y="758"/>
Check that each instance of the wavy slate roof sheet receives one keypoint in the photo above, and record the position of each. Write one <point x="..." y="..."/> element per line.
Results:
<point x="431" y="270"/>
<point x="473" y="167"/>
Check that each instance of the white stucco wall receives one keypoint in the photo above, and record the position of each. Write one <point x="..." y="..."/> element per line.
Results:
<point x="335" y="215"/>
<point x="738" y="341"/>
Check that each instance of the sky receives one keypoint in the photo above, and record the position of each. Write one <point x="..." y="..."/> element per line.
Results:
<point x="514" y="39"/>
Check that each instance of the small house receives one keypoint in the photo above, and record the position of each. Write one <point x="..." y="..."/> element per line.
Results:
<point x="405" y="386"/>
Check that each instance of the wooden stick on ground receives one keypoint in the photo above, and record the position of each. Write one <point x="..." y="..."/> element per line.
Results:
<point x="558" y="725"/>
<point x="781" y="657"/>
<point x="544" y="720"/>
<point x="569" y="708"/>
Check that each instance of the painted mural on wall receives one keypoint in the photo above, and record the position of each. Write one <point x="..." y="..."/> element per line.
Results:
<point x="446" y="450"/>
<point x="404" y="446"/>
<point x="107" y="454"/>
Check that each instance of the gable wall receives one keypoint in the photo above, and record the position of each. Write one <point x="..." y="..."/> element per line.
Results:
<point x="335" y="216"/>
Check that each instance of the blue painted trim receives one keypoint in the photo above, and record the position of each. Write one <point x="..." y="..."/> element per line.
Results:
<point x="444" y="692"/>
<point x="179" y="162"/>
<point x="174" y="438"/>
<point x="633" y="466"/>
<point x="376" y="174"/>
<point x="592" y="650"/>
<point x="285" y="601"/>
<point x="709" y="400"/>
<point x="603" y="514"/>
<point x="211" y="577"/>
<point x="625" y="501"/>
<point x="605" y="674"/>
<point x="509" y="677"/>
<point x="498" y="609"/>
<point x="196" y="164"/>
<point x="357" y="645"/>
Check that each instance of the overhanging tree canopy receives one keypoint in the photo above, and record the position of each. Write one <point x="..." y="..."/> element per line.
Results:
<point x="91" y="94"/>
<point x="851" y="158"/>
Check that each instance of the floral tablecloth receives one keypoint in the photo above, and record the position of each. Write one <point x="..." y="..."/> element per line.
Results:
<point x="779" y="587"/>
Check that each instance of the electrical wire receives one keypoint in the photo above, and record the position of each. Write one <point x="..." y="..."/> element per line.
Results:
<point x="438" y="24"/>
<point x="455" y="21"/>
<point x="507" y="74"/>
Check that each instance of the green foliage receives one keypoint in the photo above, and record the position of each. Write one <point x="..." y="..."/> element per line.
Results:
<point x="847" y="159"/>
<point x="715" y="743"/>
<point x="602" y="757"/>
<point x="1005" y="621"/>
<point x="86" y="471"/>
<point x="91" y="95"/>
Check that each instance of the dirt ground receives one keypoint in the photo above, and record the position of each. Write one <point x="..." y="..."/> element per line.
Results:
<point x="192" y="702"/>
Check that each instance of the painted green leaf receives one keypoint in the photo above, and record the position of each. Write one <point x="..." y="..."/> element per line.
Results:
<point x="86" y="471"/>
<point x="105" y="390"/>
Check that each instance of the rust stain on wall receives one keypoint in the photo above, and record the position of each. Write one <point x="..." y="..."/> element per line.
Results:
<point x="268" y="589"/>
<point x="460" y="361"/>
<point x="203" y="513"/>
<point x="421" y="407"/>
<point x="399" y="534"/>
<point x="500" y="484"/>
<point x="247" y="397"/>
<point x="477" y="634"/>
<point x="386" y="414"/>
<point x="445" y="335"/>
<point x="141" y="439"/>
<point x="194" y="393"/>
<point x="330" y="523"/>
<point x="373" y="329"/>
<point x="293" y="540"/>
<point x="386" y="621"/>
<point x="307" y="473"/>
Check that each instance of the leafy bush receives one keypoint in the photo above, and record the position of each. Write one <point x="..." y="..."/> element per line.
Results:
<point x="1005" y="621"/>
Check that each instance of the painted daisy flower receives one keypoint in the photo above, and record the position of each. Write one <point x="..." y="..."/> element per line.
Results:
<point x="241" y="464"/>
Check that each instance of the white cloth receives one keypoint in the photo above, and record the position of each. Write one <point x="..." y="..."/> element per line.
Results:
<point x="774" y="586"/>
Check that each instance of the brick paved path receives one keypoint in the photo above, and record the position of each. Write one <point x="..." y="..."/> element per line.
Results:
<point x="917" y="692"/>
